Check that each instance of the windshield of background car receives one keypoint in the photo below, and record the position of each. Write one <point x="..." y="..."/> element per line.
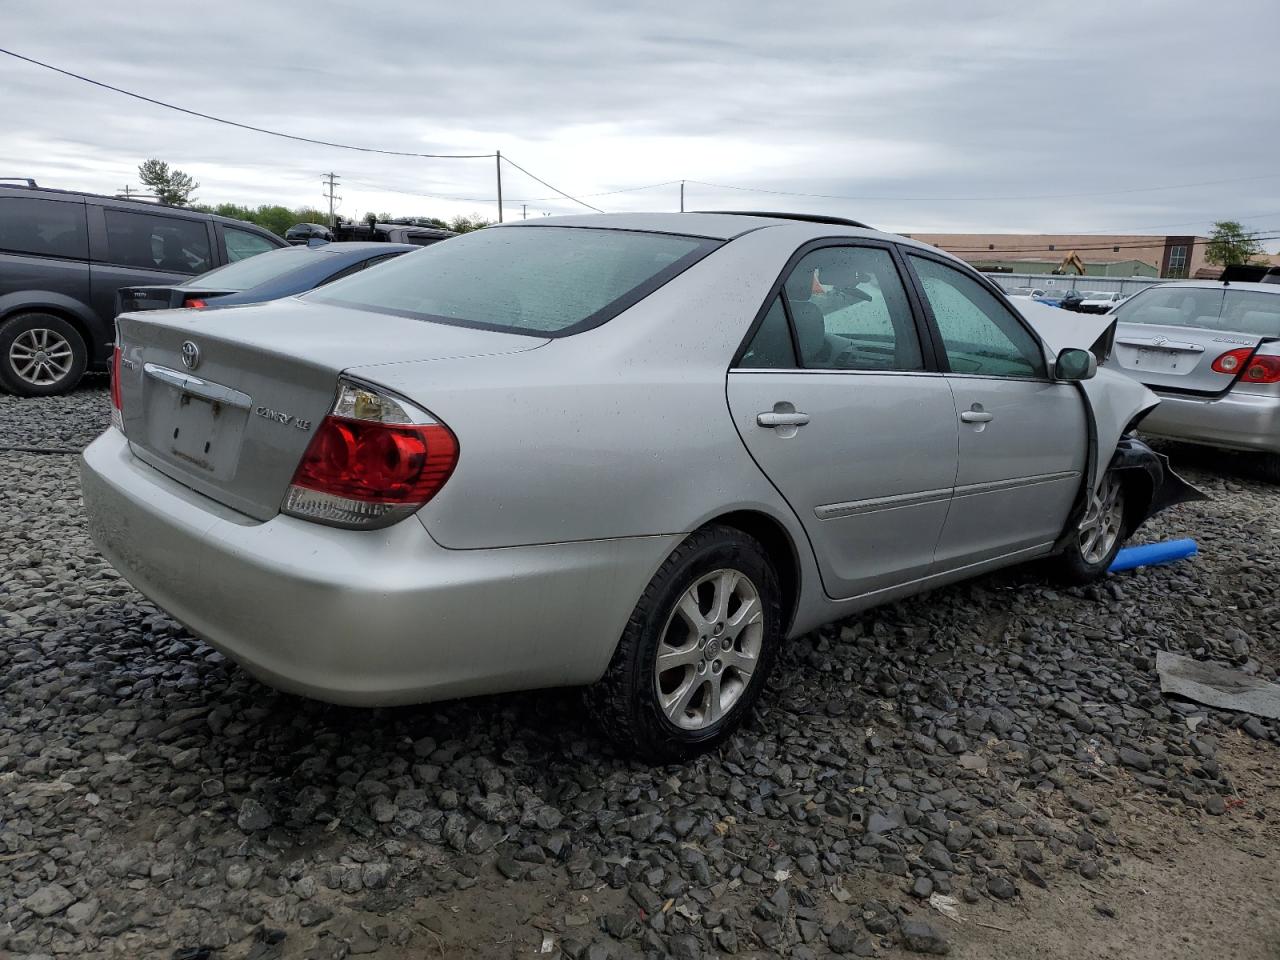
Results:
<point x="1213" y="308"/>
<point x="548" y="281"/>
<point x="244" y="274"/>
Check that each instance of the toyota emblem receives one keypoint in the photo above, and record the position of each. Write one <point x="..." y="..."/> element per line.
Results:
<point x="190" y="355"/>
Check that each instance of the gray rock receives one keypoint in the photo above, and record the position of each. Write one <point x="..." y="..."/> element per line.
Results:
<point x="253" y="816"/>
<point x="48" y="900"/>
<point x="920" y="936"/>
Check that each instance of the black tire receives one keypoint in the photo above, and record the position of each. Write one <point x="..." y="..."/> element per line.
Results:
<point x="1073" y="565"/>
<point x="57" y="331"/>
<point x="625" y="700"/>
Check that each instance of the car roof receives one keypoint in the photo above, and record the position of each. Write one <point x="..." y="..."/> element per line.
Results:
<point x="712" y="225"/>
<point x="126" y="202"/>
<point x="1219" y="284"/>
<point x="356" y="246"/>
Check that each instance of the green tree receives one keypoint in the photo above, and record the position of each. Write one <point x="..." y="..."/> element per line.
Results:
<point x="467" y="224"/>
<point x="170" y="186"/>
<point x="1229" y="245"/>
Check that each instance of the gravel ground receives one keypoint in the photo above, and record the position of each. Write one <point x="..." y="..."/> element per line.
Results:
<point x="1002" y="743"/>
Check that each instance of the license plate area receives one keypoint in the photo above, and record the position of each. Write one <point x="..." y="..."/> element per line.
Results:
<point x="1157" y="360"/>
<point x="195" y="425"/>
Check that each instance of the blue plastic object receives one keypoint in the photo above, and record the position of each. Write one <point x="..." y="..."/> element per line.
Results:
<point x="1153" y="554"/>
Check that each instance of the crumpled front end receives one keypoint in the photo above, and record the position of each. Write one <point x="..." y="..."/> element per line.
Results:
<point x="1162" y="487"/>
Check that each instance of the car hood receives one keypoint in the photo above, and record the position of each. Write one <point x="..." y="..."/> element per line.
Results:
<point x="1060" y="329"/>
<point x="1115" y="402"/>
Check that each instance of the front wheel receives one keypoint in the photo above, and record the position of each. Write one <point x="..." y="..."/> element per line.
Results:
<point x="697" y="650"/>
<point x="40" y="355"/>
<point x="1100" y="534"/>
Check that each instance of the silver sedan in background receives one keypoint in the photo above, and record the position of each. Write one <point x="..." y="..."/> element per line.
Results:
<point x="1211" y="351"/>
<point x="637" y="452"/>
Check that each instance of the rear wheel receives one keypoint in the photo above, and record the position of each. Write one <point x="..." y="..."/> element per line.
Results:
<point x="1100" y="534"/>
<point x="697" y="649"/>
<point x="40" y="355"/>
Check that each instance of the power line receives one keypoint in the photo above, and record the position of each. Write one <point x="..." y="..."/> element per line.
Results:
<point x="1043" y="196"/>
<point x="551" y="187"/>
<point x="244" y="126"/>
<point x="444" y="196"/>
<point x="1110" y="246"/>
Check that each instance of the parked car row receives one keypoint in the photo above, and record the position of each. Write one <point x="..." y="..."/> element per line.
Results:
<point x="632" y="451"/>
<point x="70" y="261"/>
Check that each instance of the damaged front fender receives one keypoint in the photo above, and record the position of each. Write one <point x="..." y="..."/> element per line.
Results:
<point x="1162" y="487"/>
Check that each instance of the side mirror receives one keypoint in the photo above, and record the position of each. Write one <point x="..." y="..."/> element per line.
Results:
<point x="1075" y="364"/>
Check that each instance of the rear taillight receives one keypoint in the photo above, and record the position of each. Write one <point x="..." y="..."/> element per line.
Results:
<point x="117" y="407"/>
<point x="195" y="303"/>
<point x="1251" y="369"/>
<point x="373" y="460"/>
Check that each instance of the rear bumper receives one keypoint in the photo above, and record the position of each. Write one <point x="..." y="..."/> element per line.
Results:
<point x="1236" y="421"/>
<point x="363" y="617"/>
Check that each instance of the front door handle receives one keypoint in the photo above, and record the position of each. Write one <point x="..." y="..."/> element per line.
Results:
<point x="976" y="414"/>
<point x="771" y="419"/>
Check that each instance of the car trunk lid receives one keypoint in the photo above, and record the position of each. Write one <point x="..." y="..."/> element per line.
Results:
<point x="228" y="406"/>
<point x="1177" y="357"/>
<point x="132" y="299"/>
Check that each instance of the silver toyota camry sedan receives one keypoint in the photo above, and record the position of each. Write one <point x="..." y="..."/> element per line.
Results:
<point x="1212" y="352"/>
<point x="635" y="452"/>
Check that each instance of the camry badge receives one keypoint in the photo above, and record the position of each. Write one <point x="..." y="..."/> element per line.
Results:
<point x="190" y="355"/>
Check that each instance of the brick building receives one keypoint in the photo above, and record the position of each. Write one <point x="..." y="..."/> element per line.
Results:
<point x="1104" y="255"/>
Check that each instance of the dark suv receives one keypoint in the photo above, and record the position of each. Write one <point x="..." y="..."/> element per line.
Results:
<point x="63" y="255"/>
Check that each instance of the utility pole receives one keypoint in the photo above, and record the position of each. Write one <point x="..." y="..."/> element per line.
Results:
<point x="524" y="211"/>
<point x="127" y="192"/>
<point x="498" y="161"/>
<point x="331" y="180"/>
<point x="682" y="196"/>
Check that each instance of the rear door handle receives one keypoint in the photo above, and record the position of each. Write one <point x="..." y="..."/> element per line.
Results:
<point x="772" y="419"/>
<point x="977" y="416"/>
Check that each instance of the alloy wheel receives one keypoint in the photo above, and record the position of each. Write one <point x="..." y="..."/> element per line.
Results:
<point x="1100" y="528"/>
<point x="41" y="357"/>
<point x="709" y="649"/>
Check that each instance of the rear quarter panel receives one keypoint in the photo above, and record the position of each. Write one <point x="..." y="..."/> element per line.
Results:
<point x="620" y="431"/>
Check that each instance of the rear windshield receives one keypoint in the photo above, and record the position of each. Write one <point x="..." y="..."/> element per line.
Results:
<point x="534" y="280"/>
<point x="1213" y="308"/>
<point x="244" y="274"/>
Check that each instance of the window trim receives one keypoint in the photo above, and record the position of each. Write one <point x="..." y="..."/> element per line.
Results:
<point x="935" y="332"/>
<point x="928" y="356"/>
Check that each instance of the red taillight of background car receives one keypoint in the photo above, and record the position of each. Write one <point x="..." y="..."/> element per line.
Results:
<point x="1260" y="369"/>
<point x="195" y="303"/>
<point x="117" y="406"/>
<point x="373" y="460"/>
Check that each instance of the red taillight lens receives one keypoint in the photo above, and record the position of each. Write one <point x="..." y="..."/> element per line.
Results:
<point x="117" y="406"/>
<point x="195" y="303"/>
<point x="372" y="461"/>
<point x="1261" y="369"/>
<point x="378" y="462"/>
<point x="1231" y="361"/>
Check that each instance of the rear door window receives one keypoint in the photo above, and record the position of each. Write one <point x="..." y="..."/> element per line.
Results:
<point x="172" y="244"/>
<point x="536" y="280"/>
<point x="241" y="244"/>
<point x="48" y="228"/>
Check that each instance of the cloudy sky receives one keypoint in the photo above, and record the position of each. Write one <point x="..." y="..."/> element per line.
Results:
<point x="1083" y="116"/>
